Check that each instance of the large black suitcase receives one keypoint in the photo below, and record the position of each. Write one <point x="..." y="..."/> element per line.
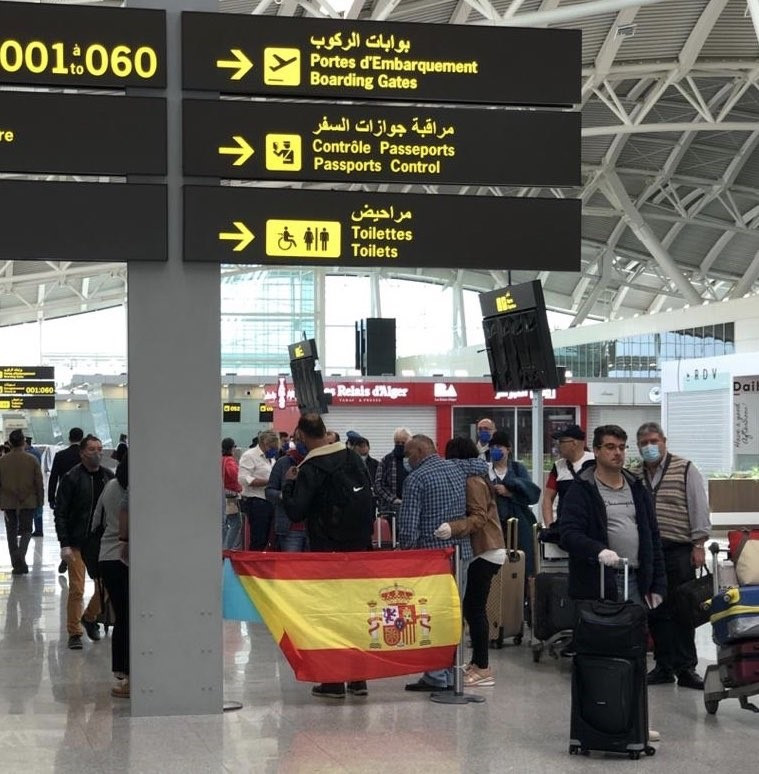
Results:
<point x="609" y="696"/>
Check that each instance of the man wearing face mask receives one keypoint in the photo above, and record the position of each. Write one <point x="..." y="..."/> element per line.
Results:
<point x="255" y="468"/>
<point x="682" y="512"/>
<point x="75" y="500"/>
<point x="392" y="470"/>
<point x="291" y="535"/>
<point x="485" y="430"/>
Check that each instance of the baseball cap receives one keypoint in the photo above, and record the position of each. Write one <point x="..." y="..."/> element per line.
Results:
<point x="570" y="431"/>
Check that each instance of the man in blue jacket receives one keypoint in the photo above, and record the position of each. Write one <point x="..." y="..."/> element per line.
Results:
<point x="608" y="514"/>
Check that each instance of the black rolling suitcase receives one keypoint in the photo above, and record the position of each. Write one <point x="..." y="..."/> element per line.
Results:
<point x="609" y="696"/>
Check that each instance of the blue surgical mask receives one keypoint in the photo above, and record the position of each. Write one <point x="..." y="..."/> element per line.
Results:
<point x="407" y="465"/>
<point x="496" y="454"/>
<point x="484" y="436"/>
<point x="650" y="452"/>
<point x="301" y="448"/>
<point x="271" y="453"/>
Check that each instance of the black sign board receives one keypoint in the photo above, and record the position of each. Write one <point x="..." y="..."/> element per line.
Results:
<point x="270" y="56"/>
<point x="21" y="403"/>
<point x="265" y="413"/>
<point x="350" y="143"/>
<point x="515" y="298"/>
<point x="517" y="338"/>
<point x="305" y="348"/>
<point x="82" y="221"/>
<point x="19" y="373"/>
<point x="327" y="228"/>
<point x="27" y="388"/>
<point x="74" y="133"/>
<point x="74" y="45"/>
<point x="231" y="412"/>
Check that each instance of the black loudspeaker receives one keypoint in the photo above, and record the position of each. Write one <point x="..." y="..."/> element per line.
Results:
<point x="517" y="338"/>
<point x="307" y="381"/>
<point x="375" y="346"/>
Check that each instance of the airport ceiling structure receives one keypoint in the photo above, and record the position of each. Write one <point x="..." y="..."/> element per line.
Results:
<point x="670" y="159"/>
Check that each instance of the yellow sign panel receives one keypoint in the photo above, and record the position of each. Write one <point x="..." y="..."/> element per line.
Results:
<point x="303" y="238"/>
<point x="505" y="303"/>
<point x="284" y="152"/>
<point x="282" y="66"/>
<point x="5" y="404"/>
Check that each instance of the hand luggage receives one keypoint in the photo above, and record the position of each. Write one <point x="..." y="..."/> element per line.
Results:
<point x="735" y="615"/>
<point x="553" y="612"/>
<point x="505" y="604"/>
<point x="739" y="663"/>
<point x="609" y="697"/>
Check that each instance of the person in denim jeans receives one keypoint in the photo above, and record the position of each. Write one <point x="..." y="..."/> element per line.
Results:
<point x="232" y="489"/>
<point x="291" y="536"/>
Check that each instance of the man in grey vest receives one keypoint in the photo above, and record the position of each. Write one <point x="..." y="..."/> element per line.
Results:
<point x="682" y="512"/>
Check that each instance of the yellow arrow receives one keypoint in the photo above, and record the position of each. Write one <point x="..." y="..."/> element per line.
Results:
<point x="242" y="149"/>
<point x="241" y="63"/>
<point x="243" y="236"/>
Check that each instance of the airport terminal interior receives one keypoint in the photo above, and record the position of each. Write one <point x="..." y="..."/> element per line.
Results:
<point x="658" y="321"/>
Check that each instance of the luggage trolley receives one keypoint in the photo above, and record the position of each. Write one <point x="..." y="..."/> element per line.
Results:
<point x="714" y="688"/>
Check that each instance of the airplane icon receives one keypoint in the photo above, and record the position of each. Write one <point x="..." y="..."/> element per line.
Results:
<point x="282" y="62"/>
<point x="282" y="66"/>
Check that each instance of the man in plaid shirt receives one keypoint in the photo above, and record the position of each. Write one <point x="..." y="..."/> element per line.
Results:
<point x="433" y="493"/>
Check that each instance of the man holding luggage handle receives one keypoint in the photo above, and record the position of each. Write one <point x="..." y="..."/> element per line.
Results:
<point x="682" y="514"/>
<point x="608" y="513"/>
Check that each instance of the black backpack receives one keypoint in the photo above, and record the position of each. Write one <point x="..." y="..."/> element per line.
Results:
<point x="348" y="503"/>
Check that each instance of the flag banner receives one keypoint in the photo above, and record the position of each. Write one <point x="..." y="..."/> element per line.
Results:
<point x="356" y="616"/>
<point x="236" y="603"/>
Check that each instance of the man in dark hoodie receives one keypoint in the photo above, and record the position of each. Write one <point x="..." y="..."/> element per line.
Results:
<point x="332" y="492"/>
<point x="608" y="514"/>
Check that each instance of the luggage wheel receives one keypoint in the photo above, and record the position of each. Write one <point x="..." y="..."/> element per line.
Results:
<point x="518" y="639"/>
<point x="649" y="750"/>
<point x="634" y="755"/>
<point x="537" y="653"/>
<point x="711" y="706"/>
<point x="575" y="749"/>
<point x="747" y="705"/>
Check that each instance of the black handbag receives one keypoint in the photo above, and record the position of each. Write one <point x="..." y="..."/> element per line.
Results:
<point x="90" y="548"/>
<point x="689" y="600"/>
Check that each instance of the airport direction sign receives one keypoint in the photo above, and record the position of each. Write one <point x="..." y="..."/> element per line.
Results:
<point x="82" y="134"/>
<point x="293" y="227"/>
<point x="74" y="45"/>
<point x="269" y="56"/>
<point x="82" y="221"/>
<point x="22" y="373"/>
<point x="358" y="143"/>
<point x="23" y="402"/>
<point x="29" y="387"/>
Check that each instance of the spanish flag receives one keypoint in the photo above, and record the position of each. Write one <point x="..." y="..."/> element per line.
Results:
<point x="356" y="616"/>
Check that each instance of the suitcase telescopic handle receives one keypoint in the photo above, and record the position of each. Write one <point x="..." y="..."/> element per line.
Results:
<point x="714" y="549"/>
<point x="626" y="566"/>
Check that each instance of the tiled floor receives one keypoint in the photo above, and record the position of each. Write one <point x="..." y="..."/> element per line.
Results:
<point x="57" y="715"/>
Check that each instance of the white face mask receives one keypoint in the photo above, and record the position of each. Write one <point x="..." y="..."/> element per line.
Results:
<point x="650" y="452"/>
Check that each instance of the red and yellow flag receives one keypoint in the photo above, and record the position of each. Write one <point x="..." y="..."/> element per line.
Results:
<point x="356" y="616"/>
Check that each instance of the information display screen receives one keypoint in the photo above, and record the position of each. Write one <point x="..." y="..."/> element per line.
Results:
<point x="23" y="402"/>
<point x="327" y="228"/>
<point x="22" y="373"/>
<point x="267" y="55"/>
<point x="231" y="412"/>
<point x="352" y="143"/>
<point x="82" y="221"/>
<point x="82" y="134"/>
<point x="75" y="45"/>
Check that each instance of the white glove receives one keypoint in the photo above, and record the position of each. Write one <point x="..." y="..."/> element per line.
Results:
<point x="67" y="554"/>
<point x="443" y="531"/>
<point x="654" y="600"/>
<point x="608" y="557"/>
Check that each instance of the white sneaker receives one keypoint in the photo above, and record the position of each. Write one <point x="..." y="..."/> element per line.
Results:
<point x="653" y="736"/>
<point x="476" y="677"/>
